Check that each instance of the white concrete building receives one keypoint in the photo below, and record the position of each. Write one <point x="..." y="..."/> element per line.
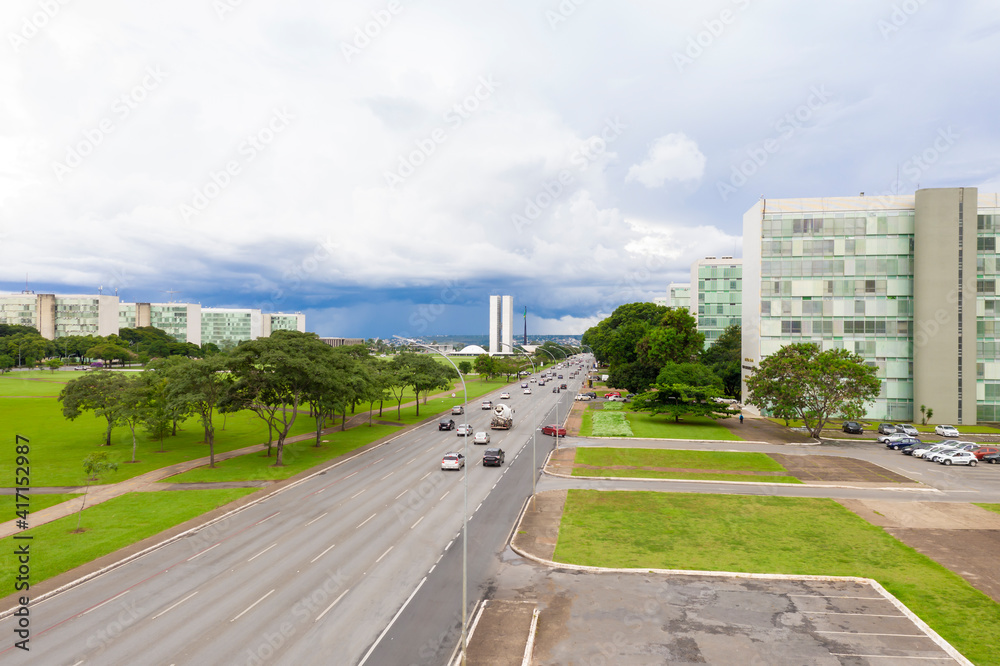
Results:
<point x="501" y="325"/>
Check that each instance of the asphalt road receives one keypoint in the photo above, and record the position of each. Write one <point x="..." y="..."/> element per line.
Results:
<point x="315" y="574"/>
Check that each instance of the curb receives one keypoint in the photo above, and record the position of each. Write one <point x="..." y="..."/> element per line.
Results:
<point x="933" y="635"/>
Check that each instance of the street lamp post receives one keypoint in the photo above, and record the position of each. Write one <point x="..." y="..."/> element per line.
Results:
<point x="557" y="399"/>
<point x="465" y="511"/>
<point x="534" y="458"/>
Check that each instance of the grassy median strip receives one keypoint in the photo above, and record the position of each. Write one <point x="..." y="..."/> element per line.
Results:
<point x="995" y="508"/>
<point x="772" y="535"/>
<point x="298" y="457"/>
<point x="620" y="462"/>
<point x="117" y="523"/>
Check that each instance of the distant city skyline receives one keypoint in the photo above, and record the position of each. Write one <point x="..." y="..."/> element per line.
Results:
<point x="383" y="169"/>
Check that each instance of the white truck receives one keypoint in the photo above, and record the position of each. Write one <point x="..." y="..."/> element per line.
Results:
<point x="503" y="417"/>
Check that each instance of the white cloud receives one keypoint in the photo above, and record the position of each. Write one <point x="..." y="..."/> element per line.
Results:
<point x="671" y="157"/>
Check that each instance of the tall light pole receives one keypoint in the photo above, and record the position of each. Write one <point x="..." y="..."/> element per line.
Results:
<point x="534" y="458"/>
<point x="557" y="399"/>
<point x="465" y="511"/>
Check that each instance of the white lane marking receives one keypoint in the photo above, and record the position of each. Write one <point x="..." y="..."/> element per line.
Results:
<point x="401" y="494"/>
<point x="357" y="493"/>
<point x="366" y="520"/>
<point x="103" y="602"/>
<point x="443" y="496"/>
<point x="350" y="475"/>
<point x="429" y="450"/>
<point x="416" y="523"/>
<point x="392" y="621"/>
<point x="379" y="460"/>
<point x="411" y="461"/>
<point x="883" y="656"/>
<point x="449" y="544"/>
<point x="252" y="605"/>
<point x="387" y="475"/>
<point x="856" y="633"/>
<point x="201" y="553"/>
<point x="268" y="518"/>
<point x="478" y="507"/>
<point x="425" y="475"/>
<point x="175" y="605"/>
<point x="383" y="555"/>
<point x="316" y="518"/>
<point x="858" y="614"/>
<point x="320" y="616"/>
<point x="323" y="553"/>
<point x="433" y="567"/>
<point x="262" y="552"/>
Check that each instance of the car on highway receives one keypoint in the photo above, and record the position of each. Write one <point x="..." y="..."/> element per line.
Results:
<point x="902" y="443"/>
<point x="492" y="457"/>
<point x="555" y="389"/>
<point x="853" y="428"/>
<point x="946" y="431"/>
<point x="453" y="461"/>
<point x="481" y="437"/>
<point x="464" y="429"/>
<point x="886" y="429"/>
<point x="894" y="437"/>
<point x="487" y="404"/>
<point x="505" y="396"/>
<point x="559" y="376"/>
<point x="446" y="424"/>
<point x="552" y="429"/>
<point x="524" y="384"/>
<point x="541" y="383"/>
<point x="582" y="396"/>
<point x="458" y="409"/>
<point x="959" y="458"/>
<point x="908" y="428"/>
<point x="563" y="386"/>
<point x="527" y="391"/>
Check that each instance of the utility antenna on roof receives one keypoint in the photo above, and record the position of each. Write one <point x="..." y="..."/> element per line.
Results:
<point x="171" y="292"/>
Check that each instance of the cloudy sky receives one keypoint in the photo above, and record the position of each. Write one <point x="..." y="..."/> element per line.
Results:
<point x="384" y="166"/>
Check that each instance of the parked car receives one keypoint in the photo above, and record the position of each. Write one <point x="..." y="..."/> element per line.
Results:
<point x="592" y="394"/>
<point x="527" y="391"/>
<point x="902" y="443"/>
<point x="492" y="457"/>
<point x="908" y="428"/>
<point x="959" y="458"/>
<point x="615" y="398"/>
<point x="487" y="404"/>
<point x="458" y="409"/>
<point x="896" y="436"/>
<point x="853" y="428"/>
<point x="946" y="431"/>
<point x="453" y="461"/>
<point x="552" y="429"/>
<point x="582" y="397"/>
<point x="446" y="424"/>
<point x="464" y="429"/>
<point x="612" y="394"/>
<point x="505" y="396"/>
<point x="992" y="458"/>
<point x="983" y="451"/>
<point x="481" y="437"/>
<point x="910" y="450"/>
<point x="937" y="455"/>
<point x="886" y="429"/>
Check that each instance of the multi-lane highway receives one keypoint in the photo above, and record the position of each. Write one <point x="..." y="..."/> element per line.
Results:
<point x="359" y="563"/>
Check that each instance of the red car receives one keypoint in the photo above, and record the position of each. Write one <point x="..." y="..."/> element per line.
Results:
<point x="552" y="429"/>
<point x="985" y="450"/>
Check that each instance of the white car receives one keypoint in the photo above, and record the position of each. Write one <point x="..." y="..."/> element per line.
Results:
<point x="487" y="404"/>
<point x="481" y="438"/>
<point x="894" y="437"/>
<point x="453" y="461"/>
<point x="959" y="458"/>
<point x="946" y="431"/>
<point x="463" y="429"/>
<point x="940" y="452"/>
<point x="505" y="396"/>
<point x="908" y="428"/>
<point x="527" y="391"/>
<point x="582" y="397"/>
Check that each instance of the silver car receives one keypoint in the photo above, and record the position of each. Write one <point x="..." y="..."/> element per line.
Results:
<point x="453" y="461"/>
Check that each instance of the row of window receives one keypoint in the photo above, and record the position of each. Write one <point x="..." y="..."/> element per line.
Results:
<point x="828" y="288"/>
<point x="882" y="266"/>
<point x="839" y="226"/>
<point x="876" y="245"/>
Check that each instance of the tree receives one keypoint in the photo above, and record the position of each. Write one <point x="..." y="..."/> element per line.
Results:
<point x="199" y="384"/>
<point x="674" y="340"/>
<point x="134" y="405"/>
<point x="684" y="389"/>
<point x="425" y="375"/>
<point x="465" y="367"/>
<point x="97" y="392"/>
<point x="109" y="352"/>
<point x="635" y="377"/>
<point x="397" y="379"/>
<point x="6" y="363"/>
<point x="53" y="364"/>
<point x="813" y="384"/>
<point x="95" y="466"/>
<point x="724" y="359"/>
<point x="485" y="365"/>
<point x="614" y="338"/>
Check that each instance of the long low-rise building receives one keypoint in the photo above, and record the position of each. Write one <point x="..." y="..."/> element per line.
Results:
<point x="57" y="316"/>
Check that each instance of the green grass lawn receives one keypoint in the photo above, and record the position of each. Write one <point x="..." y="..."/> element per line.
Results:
<point x="604" y="458"/>
<point x="434" y="406"/>
<point x="58" y="446"/>
<point x="772" y="535"/>
<point x="662" y="427"/>
<point x="35" y="382"/>
<point x="298" y="457"/>
<point x="37" y="502"/>
<point x="995" y="508"/>
<point x="109" y="526"/>
<point x="871" y="427"/>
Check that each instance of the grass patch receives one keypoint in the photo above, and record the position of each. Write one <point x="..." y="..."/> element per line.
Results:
<point x="772" y="535"/>
<point x="587" y="423"/>
<point x="610" y="424"/>
<point x="995" y="508"/>
<point x="298" y="457"/>
<point x="35" y="383"/>
<point x="605" y="459"/>
<point x="697" y="476"/>
<point x="37" y="502"/>
<point x="114" y="524"/>
<point x="660" y="427"/>
<point x="611" y="406"/>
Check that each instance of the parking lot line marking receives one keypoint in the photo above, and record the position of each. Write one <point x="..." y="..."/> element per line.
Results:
<point x="443" y="496"/>
<point x="320" y="616"/>
<point x="366" y="520"/>
<point x="388" y="475"/>
<point x="252" y="605"/>
<point x="316" y="518"/>
<point x="861" y="633"/>
<point x="383" y="555"/>
<point x="323" y="553"/>
<point x="175" y="605"/>
<point x="262" y="552"/>
<point x="357" y="493"/>
<point x="416" y="523"/>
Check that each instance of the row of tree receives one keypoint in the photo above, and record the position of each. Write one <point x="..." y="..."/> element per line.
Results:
<point x="275" y="377"/>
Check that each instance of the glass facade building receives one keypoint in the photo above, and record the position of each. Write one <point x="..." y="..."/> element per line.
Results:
<point x="716" y="295"/>
<point x="679" y="295"/>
